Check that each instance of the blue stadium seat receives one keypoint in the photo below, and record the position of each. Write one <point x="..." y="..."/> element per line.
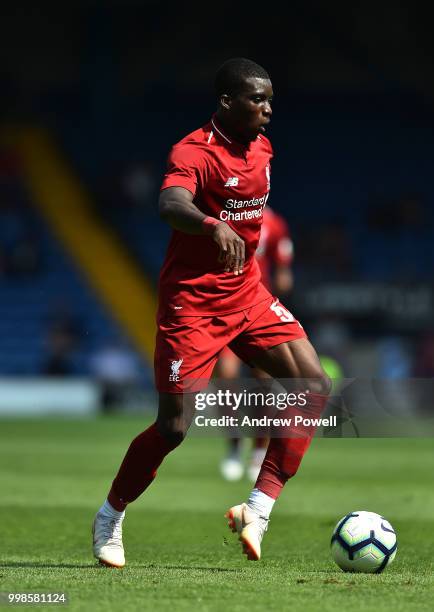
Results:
<point x="27" y="306"/>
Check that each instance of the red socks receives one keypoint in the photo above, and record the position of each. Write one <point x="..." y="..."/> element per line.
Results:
<point x="284" y="455"/>
<point x="148" y="449"/>
<point x="139" y="467"/>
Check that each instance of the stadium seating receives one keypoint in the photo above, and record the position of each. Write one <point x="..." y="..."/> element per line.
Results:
<point x="30" y="303"/>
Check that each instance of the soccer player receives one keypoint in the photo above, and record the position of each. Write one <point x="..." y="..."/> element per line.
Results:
<point x="275" y="255"/>
<point x="210" y="295"/>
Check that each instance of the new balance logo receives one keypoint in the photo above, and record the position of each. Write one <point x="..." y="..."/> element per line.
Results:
<point x="175" y="366"/>
<point x="232" y="181"/>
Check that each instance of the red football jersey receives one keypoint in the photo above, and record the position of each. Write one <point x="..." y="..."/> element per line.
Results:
<point x="275" y="245"/>
<point x="231" y="182"/>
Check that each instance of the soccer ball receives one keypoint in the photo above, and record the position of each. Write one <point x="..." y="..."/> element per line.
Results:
<point x="363" y="542"/>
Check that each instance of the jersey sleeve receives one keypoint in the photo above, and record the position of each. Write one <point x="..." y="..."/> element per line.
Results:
<point x="281" y="248"/>
<point x="186" y="167"/>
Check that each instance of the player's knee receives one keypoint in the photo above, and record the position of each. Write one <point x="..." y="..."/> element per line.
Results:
<point x="172" y="432"/>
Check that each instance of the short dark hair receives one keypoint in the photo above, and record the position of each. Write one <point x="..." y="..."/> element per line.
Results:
<point x="232" y="74"/>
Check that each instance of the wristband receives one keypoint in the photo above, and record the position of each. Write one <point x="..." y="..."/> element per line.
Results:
<point x="208" y="225"/>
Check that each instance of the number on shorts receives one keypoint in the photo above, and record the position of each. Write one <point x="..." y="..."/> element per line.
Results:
<point x="284" y="315"/>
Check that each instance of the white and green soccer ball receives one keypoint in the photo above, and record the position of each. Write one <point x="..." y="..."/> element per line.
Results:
<point x="363" y="542"/>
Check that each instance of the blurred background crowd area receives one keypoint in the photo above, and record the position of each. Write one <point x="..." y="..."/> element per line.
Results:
<point x="102" y="90"/>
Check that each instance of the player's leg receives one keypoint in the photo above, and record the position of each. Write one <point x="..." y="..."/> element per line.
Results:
<point x="296" y="360"/>
<point x="148" y="449"/>
<point x="276" y="343"/>
<point x="137" y="471"/>
<point x="180" y="370"/>
<point x="257" y="456"/>
<point x="260" y="444"/>
<point x="231" y="467"/>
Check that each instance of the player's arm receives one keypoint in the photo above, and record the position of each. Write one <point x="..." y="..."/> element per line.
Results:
<point x="283" y="279"/>
<point x="282" y="255"/>
<point x="176" y="207"/>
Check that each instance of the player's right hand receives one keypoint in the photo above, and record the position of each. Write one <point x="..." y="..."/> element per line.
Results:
<point x="232" y="248"/>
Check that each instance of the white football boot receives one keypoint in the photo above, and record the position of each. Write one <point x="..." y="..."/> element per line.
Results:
<point x="231" y="469"/>
<point x="250" y="528"/>
<point x="107" y="540"/>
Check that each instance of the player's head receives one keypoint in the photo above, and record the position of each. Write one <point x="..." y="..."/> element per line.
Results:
<point x="244" y="95"/>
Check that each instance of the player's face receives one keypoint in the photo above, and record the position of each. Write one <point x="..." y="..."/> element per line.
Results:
<point x="251" y="109"/>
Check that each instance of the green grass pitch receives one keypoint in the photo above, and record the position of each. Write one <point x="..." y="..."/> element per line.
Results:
<point x="55" y="473"/>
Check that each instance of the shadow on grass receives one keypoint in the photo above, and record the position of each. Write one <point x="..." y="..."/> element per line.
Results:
<point x="152" y="566"/>
<point x="189" y="568"/>
<point x="36" y="564"/>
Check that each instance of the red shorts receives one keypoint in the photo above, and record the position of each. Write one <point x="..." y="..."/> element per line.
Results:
<point x="187" y="348"/>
